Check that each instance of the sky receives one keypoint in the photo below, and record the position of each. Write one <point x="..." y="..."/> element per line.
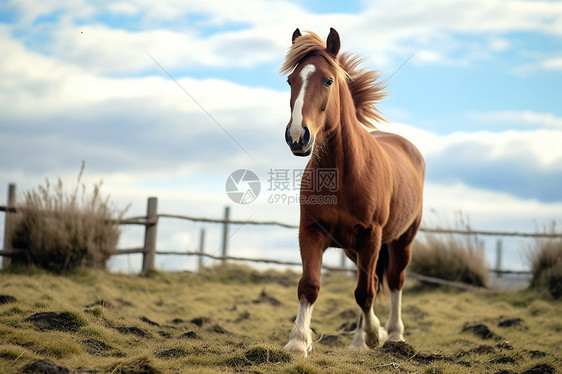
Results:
<point x="169" y="98"/>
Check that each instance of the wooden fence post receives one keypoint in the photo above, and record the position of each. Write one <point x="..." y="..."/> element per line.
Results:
<point x="201" y="248"/>
<point x="225" y="233"/>
<point x="499" y="258"/>
<point x="150" y="235"/>
<point x="8" y="222"/>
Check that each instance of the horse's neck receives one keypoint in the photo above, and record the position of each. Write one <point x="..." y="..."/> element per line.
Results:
<point x="350" y="147"/>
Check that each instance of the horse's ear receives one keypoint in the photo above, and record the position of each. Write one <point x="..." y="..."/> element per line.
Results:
<point x="296" y="34"/>
<point x="333" y="42"/>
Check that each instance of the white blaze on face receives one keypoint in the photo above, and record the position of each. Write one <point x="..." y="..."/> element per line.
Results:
<point x="296" y="130"/>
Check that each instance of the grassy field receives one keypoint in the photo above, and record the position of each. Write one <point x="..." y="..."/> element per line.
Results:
<point x="237" y="320"/>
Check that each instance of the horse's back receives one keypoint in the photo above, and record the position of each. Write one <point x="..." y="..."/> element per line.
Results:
<point x="400" y="150"/>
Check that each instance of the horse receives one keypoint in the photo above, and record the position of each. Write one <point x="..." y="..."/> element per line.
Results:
<point x="377" y="185"/>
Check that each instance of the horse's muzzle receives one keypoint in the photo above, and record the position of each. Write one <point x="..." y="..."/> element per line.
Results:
<point x="304" y="146"/>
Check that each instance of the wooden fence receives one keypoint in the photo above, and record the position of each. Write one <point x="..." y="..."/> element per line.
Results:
<point x="150" y="222"/>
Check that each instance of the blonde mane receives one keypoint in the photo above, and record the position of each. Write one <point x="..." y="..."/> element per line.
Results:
<point x="365" y="90"/>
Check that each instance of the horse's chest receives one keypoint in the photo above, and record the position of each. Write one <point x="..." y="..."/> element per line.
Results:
<point x="350" y="226"/>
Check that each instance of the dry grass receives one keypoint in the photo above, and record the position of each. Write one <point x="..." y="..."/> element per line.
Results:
<point x="234" y="319"/>
<point x="452" y="257"/>
<point x="60" y="231"/>
<point x="546" y="263"/>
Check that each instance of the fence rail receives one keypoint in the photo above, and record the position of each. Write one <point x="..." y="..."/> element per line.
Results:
<point x="423" y="229"/>
<point x="150" y="222"/>
<point x="230" y="221"/>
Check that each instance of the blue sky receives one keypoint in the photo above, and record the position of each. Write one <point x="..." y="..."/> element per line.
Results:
<point x="479" y="93"/>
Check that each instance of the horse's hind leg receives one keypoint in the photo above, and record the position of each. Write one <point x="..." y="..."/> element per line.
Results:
<point x="395" y="326"/>
<point x="400" y="253"/>
<point x="369" y="332"/>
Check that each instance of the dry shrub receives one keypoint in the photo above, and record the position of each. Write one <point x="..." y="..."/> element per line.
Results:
<point x="451" y="257"/>
<point x="60" y="231"/>
<point x="545" y="258"/>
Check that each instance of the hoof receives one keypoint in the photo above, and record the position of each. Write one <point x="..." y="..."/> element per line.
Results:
<point x="377" y="341"/>
<point x="358" y="347"/>
<point x="395" y="331"/>
<point x="396" y="337"/>
<point x="358" y="342"/>
<point x="298" y="347"/>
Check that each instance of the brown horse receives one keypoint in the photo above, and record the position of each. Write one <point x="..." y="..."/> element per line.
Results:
<point x="377" y="185"/>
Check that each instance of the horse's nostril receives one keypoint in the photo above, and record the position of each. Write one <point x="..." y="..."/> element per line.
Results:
<point x="288" y="138"/>
<point x="306" y="137"/>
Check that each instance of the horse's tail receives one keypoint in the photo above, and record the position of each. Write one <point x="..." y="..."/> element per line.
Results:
<point x="382" y="265"/>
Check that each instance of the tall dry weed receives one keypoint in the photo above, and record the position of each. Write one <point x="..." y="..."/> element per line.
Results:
<point x="545" y="258"/>
<point x="452" y="257"/>
<point x="60" y="231"/>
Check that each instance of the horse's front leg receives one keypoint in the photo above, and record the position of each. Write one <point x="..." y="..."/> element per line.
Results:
<point x="312" y="246"/>
<point x="369" y="332"/>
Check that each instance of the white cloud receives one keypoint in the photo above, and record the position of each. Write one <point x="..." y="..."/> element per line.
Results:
<point x="554" y="63"/>
<point x="249" y="33"/>
<point x="101" y="49"/>
<point x="66" y="115"/>
<point x="214" y="12"/>
<point x="526" y="164"/>
<point x="525" y="117"/>
<point x="31" y="10"/>
<point x="390" y="28"/>
<point x="488" y="209"/>
<point x="546" y="64"/>
<point x="541" y="143"/>
<point x="241" y="34"/>
<point x="474" y="16"/>
<point x="53" y="86"/>
<point x="429" y="56"/>
<point x="498" y="44"/>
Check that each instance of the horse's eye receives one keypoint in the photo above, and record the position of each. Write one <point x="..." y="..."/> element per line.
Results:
<point x="329" y="82"/>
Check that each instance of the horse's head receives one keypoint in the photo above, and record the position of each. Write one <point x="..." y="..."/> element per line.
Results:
<point x="312" y="82"/>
